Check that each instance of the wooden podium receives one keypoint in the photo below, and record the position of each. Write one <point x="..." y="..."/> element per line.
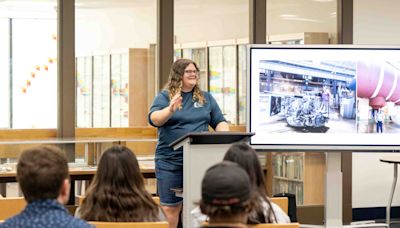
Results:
<point x="200" y="151"/>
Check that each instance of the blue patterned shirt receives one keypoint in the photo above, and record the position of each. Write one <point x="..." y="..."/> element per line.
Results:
<point x="44" y="213"/>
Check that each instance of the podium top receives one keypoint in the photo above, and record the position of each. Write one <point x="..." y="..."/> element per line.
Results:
<point x="217" y="137"/>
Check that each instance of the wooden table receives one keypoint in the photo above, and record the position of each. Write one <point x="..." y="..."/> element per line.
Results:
<point x="81" y="173"/>
<point x="395" y="160"/>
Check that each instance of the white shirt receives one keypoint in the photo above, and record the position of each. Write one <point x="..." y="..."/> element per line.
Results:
<point x="281" y="216"/>
<point x="379" y="116"/>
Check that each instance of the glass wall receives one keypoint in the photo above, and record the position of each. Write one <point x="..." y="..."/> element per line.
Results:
<point x="84" y="82"/>
<point x="28" y="36"/>
<point x="115" y="35"/>
<point x="101" y="91"/>
<point x="288" y="19"/>
<point x="34" y="73"/>
<point x="4" y="73"/>
<point x="214" y="29"/>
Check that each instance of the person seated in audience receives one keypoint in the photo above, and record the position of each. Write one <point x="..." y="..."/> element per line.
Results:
<point x="226" y="196"/>
<point x="264" y="210"/>
<point x="42" y="174"/>
<point x="117" y="192"/>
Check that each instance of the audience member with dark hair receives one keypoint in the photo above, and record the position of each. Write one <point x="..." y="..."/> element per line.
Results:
<point x="226" y="194"/>
<point x="264" y="210"/>
<point x="42" y="174"/>
<point x="117" y="193"/>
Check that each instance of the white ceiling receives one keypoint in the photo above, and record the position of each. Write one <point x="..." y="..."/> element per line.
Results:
<point x="319" y="9"/>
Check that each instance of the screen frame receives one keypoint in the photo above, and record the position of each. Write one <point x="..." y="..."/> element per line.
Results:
<point x="312" y="147"/>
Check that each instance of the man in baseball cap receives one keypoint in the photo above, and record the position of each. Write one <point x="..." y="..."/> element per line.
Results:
<point x="226" y="195"/>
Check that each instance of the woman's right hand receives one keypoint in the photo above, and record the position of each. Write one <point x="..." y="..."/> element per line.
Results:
<point x="175" y="103"/>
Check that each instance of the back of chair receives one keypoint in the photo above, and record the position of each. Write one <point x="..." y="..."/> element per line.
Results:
<point x="130" y="224"/>
<point x="269" y="225"/>
<point x="282" y="202"/>
<point x="11" y="206"/>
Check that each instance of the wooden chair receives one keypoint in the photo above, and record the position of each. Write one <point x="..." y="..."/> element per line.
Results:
<point x="130" y="224"/>
<point x="289" y="225"/>
<point x="11" y="206"/>
<point x="80" y="200"/>
<point x="282" y="202"/>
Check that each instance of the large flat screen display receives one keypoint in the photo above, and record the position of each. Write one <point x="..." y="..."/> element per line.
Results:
<point x="324" y="96"/>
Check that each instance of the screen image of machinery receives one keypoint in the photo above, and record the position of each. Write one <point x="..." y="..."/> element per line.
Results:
<point x="339" y="95"/>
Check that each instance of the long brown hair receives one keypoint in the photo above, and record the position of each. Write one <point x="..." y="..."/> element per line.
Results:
<point x="247" y="158"/>
<point x="174" y="84"/>
<point x="117" y="193"/>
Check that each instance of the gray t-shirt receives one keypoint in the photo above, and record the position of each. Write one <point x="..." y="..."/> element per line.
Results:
<point x="193" y="117"/>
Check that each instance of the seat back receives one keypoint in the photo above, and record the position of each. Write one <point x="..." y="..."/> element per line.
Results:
<point x="282" y="202"/>
<point x="269" y="225"/>
<point x="11" y="206"/>
<point x="130" y="224"/>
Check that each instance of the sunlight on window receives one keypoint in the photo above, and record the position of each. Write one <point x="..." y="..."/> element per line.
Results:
<point x="4" y="74"/>
<point x="34" y="74"/>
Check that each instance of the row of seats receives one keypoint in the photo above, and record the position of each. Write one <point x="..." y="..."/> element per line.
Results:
<point x="165" y="225"/>
<point x="16" y="204"/>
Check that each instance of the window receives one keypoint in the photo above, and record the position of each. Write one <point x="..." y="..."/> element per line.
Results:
<point x="28" y="64"/>
<point x="112" y="39"/>
<point x="4" y="74"/>
<point x="34" y="73"/>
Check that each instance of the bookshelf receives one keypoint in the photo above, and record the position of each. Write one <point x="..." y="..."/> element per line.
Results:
<point x="288" y="174"/>
<point x="299" y="173"/>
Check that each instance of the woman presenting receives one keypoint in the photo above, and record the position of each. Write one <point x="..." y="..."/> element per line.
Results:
<point x="179" y="109"/>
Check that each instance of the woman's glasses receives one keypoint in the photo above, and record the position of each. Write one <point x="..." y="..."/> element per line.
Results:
<point x="192" y="72"/>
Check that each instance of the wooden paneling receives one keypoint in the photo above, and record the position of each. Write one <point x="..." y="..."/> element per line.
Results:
<point x="142" y="148"/>
<point x="138" y="93"/>
<point x="314" y="178"/>
<point x="310" y="214"/>
<point x="13" y="151"/>
<point x="152" y="82"/>
<point x="28" y="134"/>
<point x="134" y="132"/>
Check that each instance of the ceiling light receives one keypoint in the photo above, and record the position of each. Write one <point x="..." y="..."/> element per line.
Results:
<point x="287" y="16"/>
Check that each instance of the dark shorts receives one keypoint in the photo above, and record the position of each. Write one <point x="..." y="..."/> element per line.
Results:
<point x="168" y="177"/>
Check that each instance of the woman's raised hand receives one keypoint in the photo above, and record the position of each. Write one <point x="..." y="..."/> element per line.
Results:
<point x="175" y="103"/>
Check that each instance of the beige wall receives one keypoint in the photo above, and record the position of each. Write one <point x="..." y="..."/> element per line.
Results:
<point x="375" y="22"/>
